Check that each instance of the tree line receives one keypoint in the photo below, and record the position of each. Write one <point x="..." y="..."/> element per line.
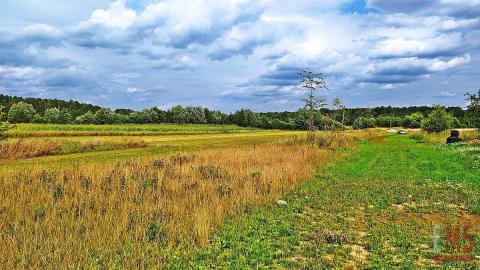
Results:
<point x="35" y="110"/>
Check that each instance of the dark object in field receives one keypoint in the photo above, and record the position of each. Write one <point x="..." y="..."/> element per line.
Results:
<point x="454" y="137"/>
<point x="402" y="131"/>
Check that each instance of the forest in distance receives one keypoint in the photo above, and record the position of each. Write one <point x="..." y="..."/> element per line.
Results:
<point x="36" y="110"/>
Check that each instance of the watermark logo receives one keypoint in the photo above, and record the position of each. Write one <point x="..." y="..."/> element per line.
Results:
<point x="458" y="242"/>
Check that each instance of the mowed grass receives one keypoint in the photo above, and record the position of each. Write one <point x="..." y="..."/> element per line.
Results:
<point x="377" y="209"/>
<point x="55" y="130"/>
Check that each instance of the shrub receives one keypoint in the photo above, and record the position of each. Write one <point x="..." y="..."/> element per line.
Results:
<point x="3" y="129"/>
<point x="363" y="123"/>
<point x="38" y="119"/>
<point x="438" y="120"/>
<point x="414" y="120"/>
<point x="21" y="112"/>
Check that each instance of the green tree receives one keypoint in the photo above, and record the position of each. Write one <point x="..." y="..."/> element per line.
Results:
<point x="474" y="108"/>
<point x="339" y="106"/>
<point x="65" y="116"/>
<point x="38" y="119"/>
<point x="245" y="118"/>
<point x="87" y="118"/>
<point x="21" y="112"/>
<point x="438" y="120"/>
<point x="105" y="116"/>
<point x="364" y="123"/>
<point x="196" y="115"/>
<point x="413" y="120"/>
<point x="52" y="115"/>
<point x="178" y="114"/>
<point x="146" y="116"/>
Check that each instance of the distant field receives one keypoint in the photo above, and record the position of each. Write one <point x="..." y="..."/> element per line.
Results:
<point x="52" y="130"/>
<point x="51" y="144"/>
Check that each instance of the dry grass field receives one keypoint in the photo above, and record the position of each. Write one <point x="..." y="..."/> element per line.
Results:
<point x="203" y="200"/>
<point x="143" y="208"/>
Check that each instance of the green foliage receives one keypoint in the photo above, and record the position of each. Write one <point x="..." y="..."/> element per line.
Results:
<point x="389" y="121"/>
<point x="52" y="115"/>
<point x="474" y="108"/>
<point x="364" y="123"/>
<point x="38" y="119"/>
<point x="437" y="121"/>
<point x="3" y="115"/>
<point x="4" y="127"/>
<point x="40" y="105"/>
<point x="105" y="116"/>
<point x="57" y="111"/>
<point x="21" y="113"/>
<point x="87" y="118"/>
<point x="245" y="118"/>
<point x="413" y="120"/>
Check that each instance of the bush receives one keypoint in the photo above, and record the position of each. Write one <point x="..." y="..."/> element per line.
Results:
<point x="363" y="123"/>
<point x="414" y="120"/>
<point x="21" y="112"/>
<point x="38" y="119"/>
<point x="438" y="120"/>
<point x="3" y="129"/>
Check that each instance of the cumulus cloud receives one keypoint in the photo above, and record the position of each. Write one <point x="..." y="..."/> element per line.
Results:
<point x="192" y="47"/>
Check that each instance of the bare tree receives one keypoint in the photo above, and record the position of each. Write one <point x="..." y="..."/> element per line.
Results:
<point x="312" y="81"/>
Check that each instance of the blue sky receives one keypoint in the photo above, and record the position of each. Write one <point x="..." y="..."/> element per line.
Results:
<point x="232" y="54"/>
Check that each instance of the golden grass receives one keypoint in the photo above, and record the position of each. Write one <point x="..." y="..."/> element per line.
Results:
<point x="133" y="212"/>
<point x="22" y="149"/>
<point x="441" y="138"/>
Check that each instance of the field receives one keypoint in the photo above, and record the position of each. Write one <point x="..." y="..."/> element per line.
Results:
<point x="55" y="130"/>
<point x="225" y="197"/>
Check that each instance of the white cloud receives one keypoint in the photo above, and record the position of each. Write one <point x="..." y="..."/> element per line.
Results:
<point x="388" y="86"/>
<point x="20" y="73"/>
<point x="118" y="46"/>
<point x="116" y="16"/>
<point x="134" y="90"/>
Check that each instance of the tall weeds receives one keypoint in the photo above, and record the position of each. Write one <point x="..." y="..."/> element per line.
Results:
<point x="440" y="138"/>
<point x="22" y="149"/>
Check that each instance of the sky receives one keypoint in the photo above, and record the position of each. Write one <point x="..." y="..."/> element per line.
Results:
<point x="232" y="54"/>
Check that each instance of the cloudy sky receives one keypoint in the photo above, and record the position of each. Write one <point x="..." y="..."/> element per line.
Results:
<point x="229" y="54"/>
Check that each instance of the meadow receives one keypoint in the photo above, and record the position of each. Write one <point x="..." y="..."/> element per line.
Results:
<point x="244" y="199"/>
<point x="56" y="130"/>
